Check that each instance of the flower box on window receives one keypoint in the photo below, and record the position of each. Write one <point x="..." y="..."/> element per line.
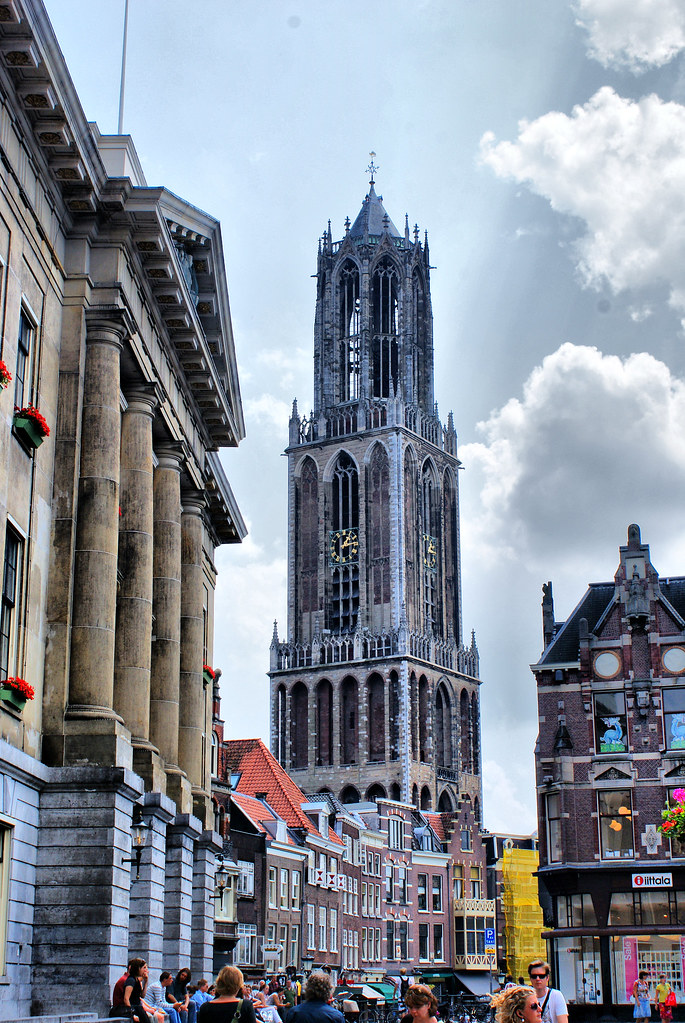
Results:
<point x="15" y="692"/>
<point x="5" y="375"/>
<point x="208" y="674"/>
<point x="30" y="426"/>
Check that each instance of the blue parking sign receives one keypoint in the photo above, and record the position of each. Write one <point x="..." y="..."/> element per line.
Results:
<point x="489" y="935"/>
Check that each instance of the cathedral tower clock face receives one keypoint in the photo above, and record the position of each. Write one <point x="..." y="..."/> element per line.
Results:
<point x="430" y="551"/>
<point x="343" y="546"/>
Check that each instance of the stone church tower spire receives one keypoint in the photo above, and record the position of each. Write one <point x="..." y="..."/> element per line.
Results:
<point x="373" y="692"/>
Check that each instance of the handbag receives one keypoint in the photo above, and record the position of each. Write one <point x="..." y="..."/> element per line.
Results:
<point x="671" y="999"/>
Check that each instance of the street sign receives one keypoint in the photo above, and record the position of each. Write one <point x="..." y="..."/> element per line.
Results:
<point x="490" y="942"/>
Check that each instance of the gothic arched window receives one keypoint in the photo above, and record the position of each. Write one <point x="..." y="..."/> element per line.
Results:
<point x="426" y="798"/>
<point x="443" y="728"/>
<point x="299" y="726"/>
<point x="385" y="347"/>
<point x="420" y="349"/>
<point x="394" y="713"/>
<point x="307" y="539"/>
<point x="430" y="540"/>
<point x="281" y="719"/>
<point x="423" y="719"/>
<point x="349" y="728"/>
<point x="343" y="546"/>
<point x="411" y="545"/>
<point x="376" y="718"/>
<point x="349" y="308"/>
<point x="349" y="794"/>
<point x="324" y="723"/>
<point x="465" y="732"/>
<point x="475" y="735"/>
<point x="451" y="533"/>
<point x="414" y="715"/>
<point x="378" y="539"/>
<point x="375" y="792"/>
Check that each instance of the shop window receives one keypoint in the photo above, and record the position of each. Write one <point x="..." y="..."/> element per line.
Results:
<point x="553" y="814"/>
<point x="610" y="723"/>
<point x="674" y="717"/>
<point x="576" y="911"/>
<point x="621" y="910"/>
<point x="654" y="908"/>
<point x="616" y="824"/>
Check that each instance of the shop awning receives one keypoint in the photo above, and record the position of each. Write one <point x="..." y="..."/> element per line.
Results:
<point x="476" y="983"/>
<point x="389" y="991"/>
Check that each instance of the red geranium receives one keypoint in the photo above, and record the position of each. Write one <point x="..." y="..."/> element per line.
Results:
<point x="31" y="412"/>
<point x="20" y="686"/>
<point x="210" y="671"/>
<point x="5" y="375"/>
<point x="673" y="817"/>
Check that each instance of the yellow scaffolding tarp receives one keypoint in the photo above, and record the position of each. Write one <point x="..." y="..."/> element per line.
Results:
<point x="522" y="912"/>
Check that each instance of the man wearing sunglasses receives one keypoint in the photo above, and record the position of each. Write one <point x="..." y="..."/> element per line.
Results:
<point x="552" y="1002"/>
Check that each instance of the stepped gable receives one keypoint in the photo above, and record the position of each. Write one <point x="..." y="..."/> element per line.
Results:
<point x="260" y="772"/>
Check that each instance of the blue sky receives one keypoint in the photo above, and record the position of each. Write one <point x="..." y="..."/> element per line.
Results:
<point x="542" y="145"/>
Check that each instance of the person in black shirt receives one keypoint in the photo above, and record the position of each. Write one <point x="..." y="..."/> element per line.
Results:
<point x="228" y="1006"/>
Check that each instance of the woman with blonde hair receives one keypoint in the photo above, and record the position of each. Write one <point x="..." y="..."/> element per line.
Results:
<point x="516" y="1004"/>
<point x="228" y="1006"/>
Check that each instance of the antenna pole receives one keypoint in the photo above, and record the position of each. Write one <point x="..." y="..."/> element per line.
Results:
<point x="123" y="71"/>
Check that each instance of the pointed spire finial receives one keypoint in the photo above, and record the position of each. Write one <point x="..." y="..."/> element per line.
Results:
<point x="406" y="228"/>
<point x="372" y="168"/>
<point x="347" y="225"/>
<point x="416" y="234"/>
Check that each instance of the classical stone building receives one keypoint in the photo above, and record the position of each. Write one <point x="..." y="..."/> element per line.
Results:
<point x="373" y="693"/>
<point x="116" y="327"/>
<point x="611" y="746"/>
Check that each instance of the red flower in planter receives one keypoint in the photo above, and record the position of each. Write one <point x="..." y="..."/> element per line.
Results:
<point x="210" y="671"/>
<point x="20" y="686"/>
<point x="5" y="375"/>
<point x="31" y="412"/>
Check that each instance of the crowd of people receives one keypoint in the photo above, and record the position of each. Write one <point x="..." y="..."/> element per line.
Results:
<point x="174" y="999"/>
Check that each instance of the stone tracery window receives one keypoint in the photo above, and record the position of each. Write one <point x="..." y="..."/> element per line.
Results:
<point x="344" y="603"/>
<point x="385" y="345"/>
<point x="349" y="310"/>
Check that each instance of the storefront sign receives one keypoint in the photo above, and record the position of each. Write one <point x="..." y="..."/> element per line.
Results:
<point x="652" y="880"/>
<point x="630" y="964"/>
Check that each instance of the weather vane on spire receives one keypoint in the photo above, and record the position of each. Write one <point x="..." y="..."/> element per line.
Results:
<point x="372" y="168"/>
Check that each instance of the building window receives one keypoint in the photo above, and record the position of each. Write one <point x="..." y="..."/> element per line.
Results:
<point x="294" y="944"/>
<point x="403" y="929"/>
<point x="465" y="840"/>
<point x="9" y="613"/>
<point x="295" y="879"/>
<point x="437" y="941"/>
<point x="310" y="927"/>
<point x="365" y="944"/>
<point x="553" y="812"/>
<point x="347" y="855"/>
<point x="437" y="893"/>
<point x="476" y="883"/>
<point x="378" y="900"/>
<point x="245" y="952"/>
<point x="246" y="878"/>
<point x="458" y="873"/>
<point x="333" y="929"/>
<point x="364" y="900"/>
<point x="402" y="885"/>
<point x="322" y="928"/>
<point x="284" y="888"/>
<point x="615" y="824"/>
<point x="283" y="942"/>
<point x="272" y="887"/>
<point x="621" y="910"/>
<point x="422" y="892"/>
<point x="396" y="833"/>
<point x="22" y="380"/>
<point x="576" y="910"/>
<point x="674" y="717"/>
<point x="423" y="942"/>
<point x="390" y="939"/>
<point x="611" y="732"/>
<point x="388" y="882"/>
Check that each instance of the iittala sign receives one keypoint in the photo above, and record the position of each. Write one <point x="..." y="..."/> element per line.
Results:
<point x="652" y="880"/>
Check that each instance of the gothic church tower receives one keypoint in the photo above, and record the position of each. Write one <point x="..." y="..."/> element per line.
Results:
<point x="373" y="693"/>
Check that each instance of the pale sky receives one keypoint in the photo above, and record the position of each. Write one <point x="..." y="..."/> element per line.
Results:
<point x="542" y="145"/>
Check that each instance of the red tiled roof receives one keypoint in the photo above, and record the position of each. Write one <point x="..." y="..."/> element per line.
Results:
<point x="436" y="822"/>
<point x="260" y="772"/>
<point x="254" y="809"/>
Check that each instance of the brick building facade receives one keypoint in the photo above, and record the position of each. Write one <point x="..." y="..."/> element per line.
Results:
<point x="611" y="705"/>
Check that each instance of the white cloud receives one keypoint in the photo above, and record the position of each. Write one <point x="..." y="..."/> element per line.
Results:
<point x="619" y="166"/>
<point x="593" y="444"/>
<point x="505" y="811"/>
<point x="269" y="411"/>
<point x="634" y="34"/>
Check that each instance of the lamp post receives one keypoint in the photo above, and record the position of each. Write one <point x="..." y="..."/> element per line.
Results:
<point x="139" y="830"/>
<point x="307" y="963"/>
<point x="220" y="879"/>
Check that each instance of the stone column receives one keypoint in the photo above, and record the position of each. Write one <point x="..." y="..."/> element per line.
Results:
<point x="178" y="904"/>
<point x="166" y="607"/>
<point x="146" y="917"/>
<point x="134" y="604"/>
<point x="192" y="695"/>
<point x="204" y="904"/>
<point x="81" y="921"/>
<point x="91" y="726"/>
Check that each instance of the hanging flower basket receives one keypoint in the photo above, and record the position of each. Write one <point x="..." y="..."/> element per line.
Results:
<point x="208" y="674"/>
<point x="30" y="426"/>
<point x="673" y="817"/>
<point x="5" y="375"/>
<point x="15" y="692"/>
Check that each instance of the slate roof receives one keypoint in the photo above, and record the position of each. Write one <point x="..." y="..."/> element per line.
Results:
<point x="260" y="772"/>
<point x="372" y="215"/>
<point x="565" y="646"/>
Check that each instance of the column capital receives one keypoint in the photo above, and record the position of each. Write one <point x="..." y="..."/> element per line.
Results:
<point x="170" y="455"/>
<point x="108" y="325"/>
<point x="144" y="399"/>
<point x="193" y="502"/>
